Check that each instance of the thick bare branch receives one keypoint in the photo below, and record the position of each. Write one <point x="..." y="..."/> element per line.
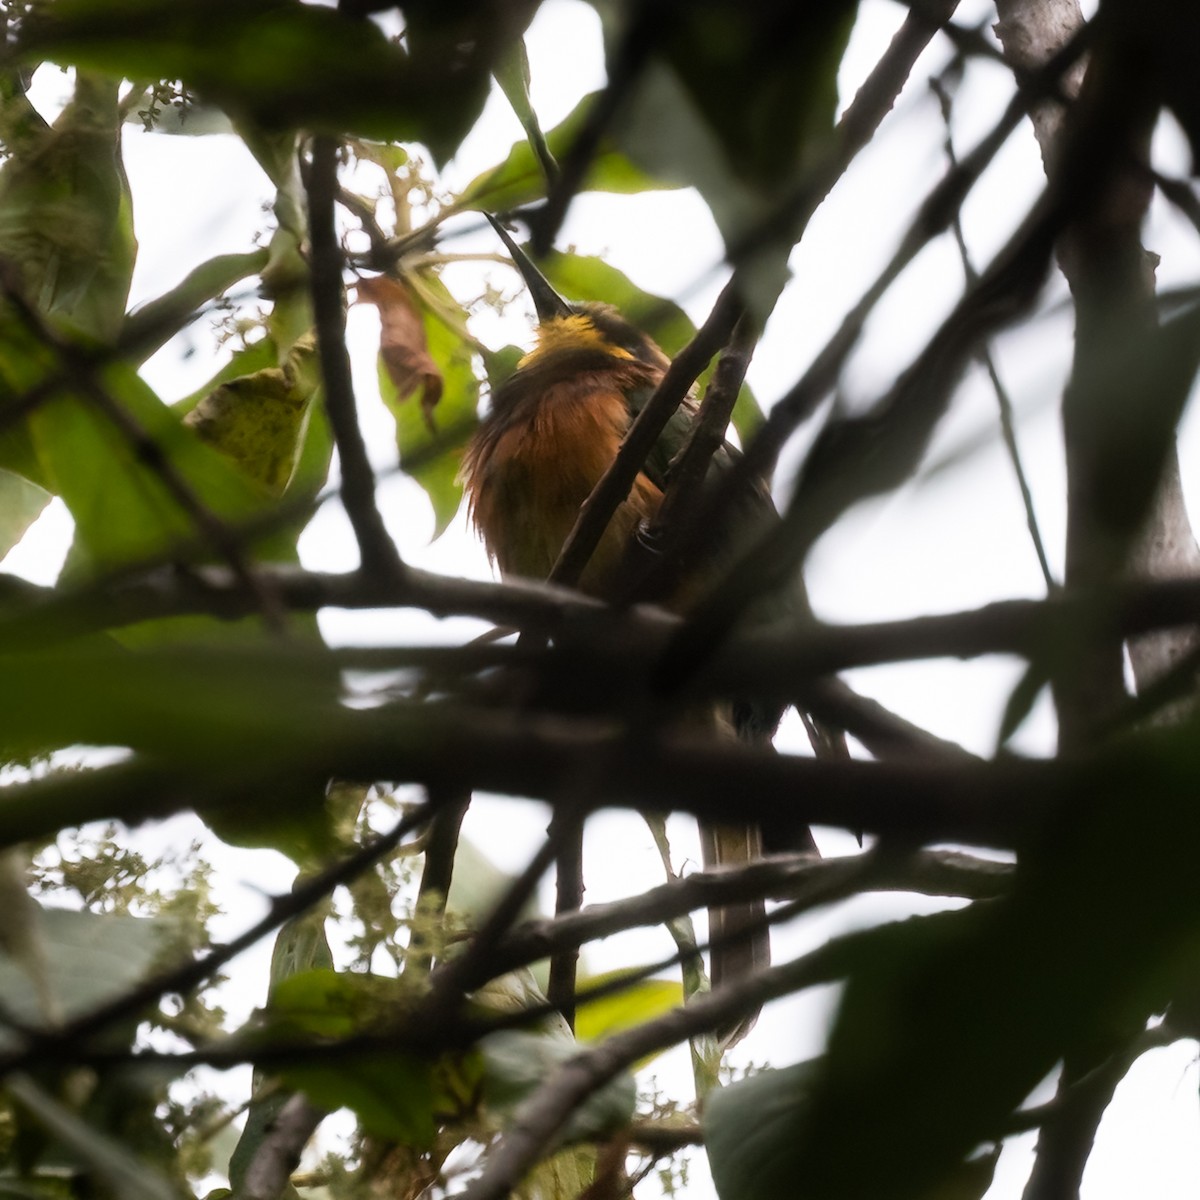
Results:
<point x="268" y="1172"/>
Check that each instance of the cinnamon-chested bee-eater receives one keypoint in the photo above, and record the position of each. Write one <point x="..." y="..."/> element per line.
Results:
<point x="554" y="427"/>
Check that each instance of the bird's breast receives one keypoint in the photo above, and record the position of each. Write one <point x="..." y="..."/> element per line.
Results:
<point x="534" y="463"/>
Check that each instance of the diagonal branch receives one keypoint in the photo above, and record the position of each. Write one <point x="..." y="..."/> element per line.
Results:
<point x="791" y="878"/>
<point x="544" y="1115"/>
<point x="65" y="1038"/>
<point x="608" y="495"/>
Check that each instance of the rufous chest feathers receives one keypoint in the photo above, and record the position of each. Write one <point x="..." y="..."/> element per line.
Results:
<point x="536" y="459"/>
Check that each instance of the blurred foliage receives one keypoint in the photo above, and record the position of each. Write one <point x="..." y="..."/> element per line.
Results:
<point x="129" y="691"/>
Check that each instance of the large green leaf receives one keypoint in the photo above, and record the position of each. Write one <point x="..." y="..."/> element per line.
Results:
<point x="517" y="1063"/>
<point x="392" y="1094"/>
<point x="750" y="1134"/>
<point x="116" y="484"/>
<point x="87" y="959"/>
<point x="66" y="219"/>
<point x="736" y="101"/>
<point x="301" y="945"/>
<point x="286" y="65"/>
<point x="519" y="179"/>
<point x="633" y="1005"/>
<point x="214" y="708"/>
<point x="257" y="356"/>
<point x="952" y="1020"/>
<point x="764" y="78"/>
<point x="157" y="321"/>
<point x="105" y="1157"/>
<point x="259" y="421"/>
<point x="477" y="886"/>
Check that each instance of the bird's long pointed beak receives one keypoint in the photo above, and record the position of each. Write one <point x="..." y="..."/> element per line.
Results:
<point x="546" y="300"/>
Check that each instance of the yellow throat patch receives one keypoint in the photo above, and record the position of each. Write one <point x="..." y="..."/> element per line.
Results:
<point x="576" y="332"/>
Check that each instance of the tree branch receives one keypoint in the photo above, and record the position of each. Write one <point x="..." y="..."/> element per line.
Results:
<point x="377" y="550"/>
<point x="542" y="1117"/>
<point x="182" y="977"/>
<point x="607" y="496"/>
<point x="785" y="878"/>
<point x="278" y="1155"/>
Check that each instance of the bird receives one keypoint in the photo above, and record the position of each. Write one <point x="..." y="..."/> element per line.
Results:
<point x="553" y="429"/>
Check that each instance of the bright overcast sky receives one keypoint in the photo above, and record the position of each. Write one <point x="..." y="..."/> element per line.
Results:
<point x="954" y="540"/>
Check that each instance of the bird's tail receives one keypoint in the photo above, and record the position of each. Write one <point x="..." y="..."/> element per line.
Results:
<point x="739" y="936"/>
<point x="741" y="942"/>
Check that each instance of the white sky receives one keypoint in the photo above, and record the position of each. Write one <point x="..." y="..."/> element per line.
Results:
<point x="954" y="541"/>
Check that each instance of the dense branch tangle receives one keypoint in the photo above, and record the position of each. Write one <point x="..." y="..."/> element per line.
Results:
<point x="562" y="716"/>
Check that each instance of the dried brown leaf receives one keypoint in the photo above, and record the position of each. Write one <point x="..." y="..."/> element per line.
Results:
<point x="402" y="343"/>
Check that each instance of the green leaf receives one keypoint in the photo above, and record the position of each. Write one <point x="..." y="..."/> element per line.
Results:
<point x="240" y="704"/>
<point x="520" y="179"/>
<point x="21" y="503"/>
<point x="516" y="1063"/>
<point x="736" y="103"/>
<point x="301" y="828"/>
<point x="749" y="1131"/>
<point x="750" y="1134"/>
<point x="157" y="321"/>
<point x="764" y="79"/>
<point x="567" y="1174"/>
<point x="512" y="74"/>
<point x="257" y="356"/>
<point x="1021" y="700"/>
<point x="123" y="508"/>
<point x="286" y="65"/>
<point x="316" y="455"/>
<point x="500" y="364"/>
<point x="300" y="946"/>
<point x="963" y="1013"/>
<point x="259" y="421"/>
<point x="518" y="991"/>
<point x="65" y="215"/>
<point x="477" y="885"/>
<point x="392" y="1094"/>
<point x="633" y="1005"/>
<point x="123" y="1173"/>
<point x="88" y="959"/>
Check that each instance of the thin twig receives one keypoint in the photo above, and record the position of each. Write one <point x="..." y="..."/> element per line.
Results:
<point x="690" y="474"/>
<point x="193" y="972"/>
<point x="788" y="878"/>
<point x="377" y="550"/>
<point x="1003" y="400"/>
<point x="607" y="496"/>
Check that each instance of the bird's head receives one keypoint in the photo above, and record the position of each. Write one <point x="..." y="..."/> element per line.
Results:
<point x="592" y="330"/>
